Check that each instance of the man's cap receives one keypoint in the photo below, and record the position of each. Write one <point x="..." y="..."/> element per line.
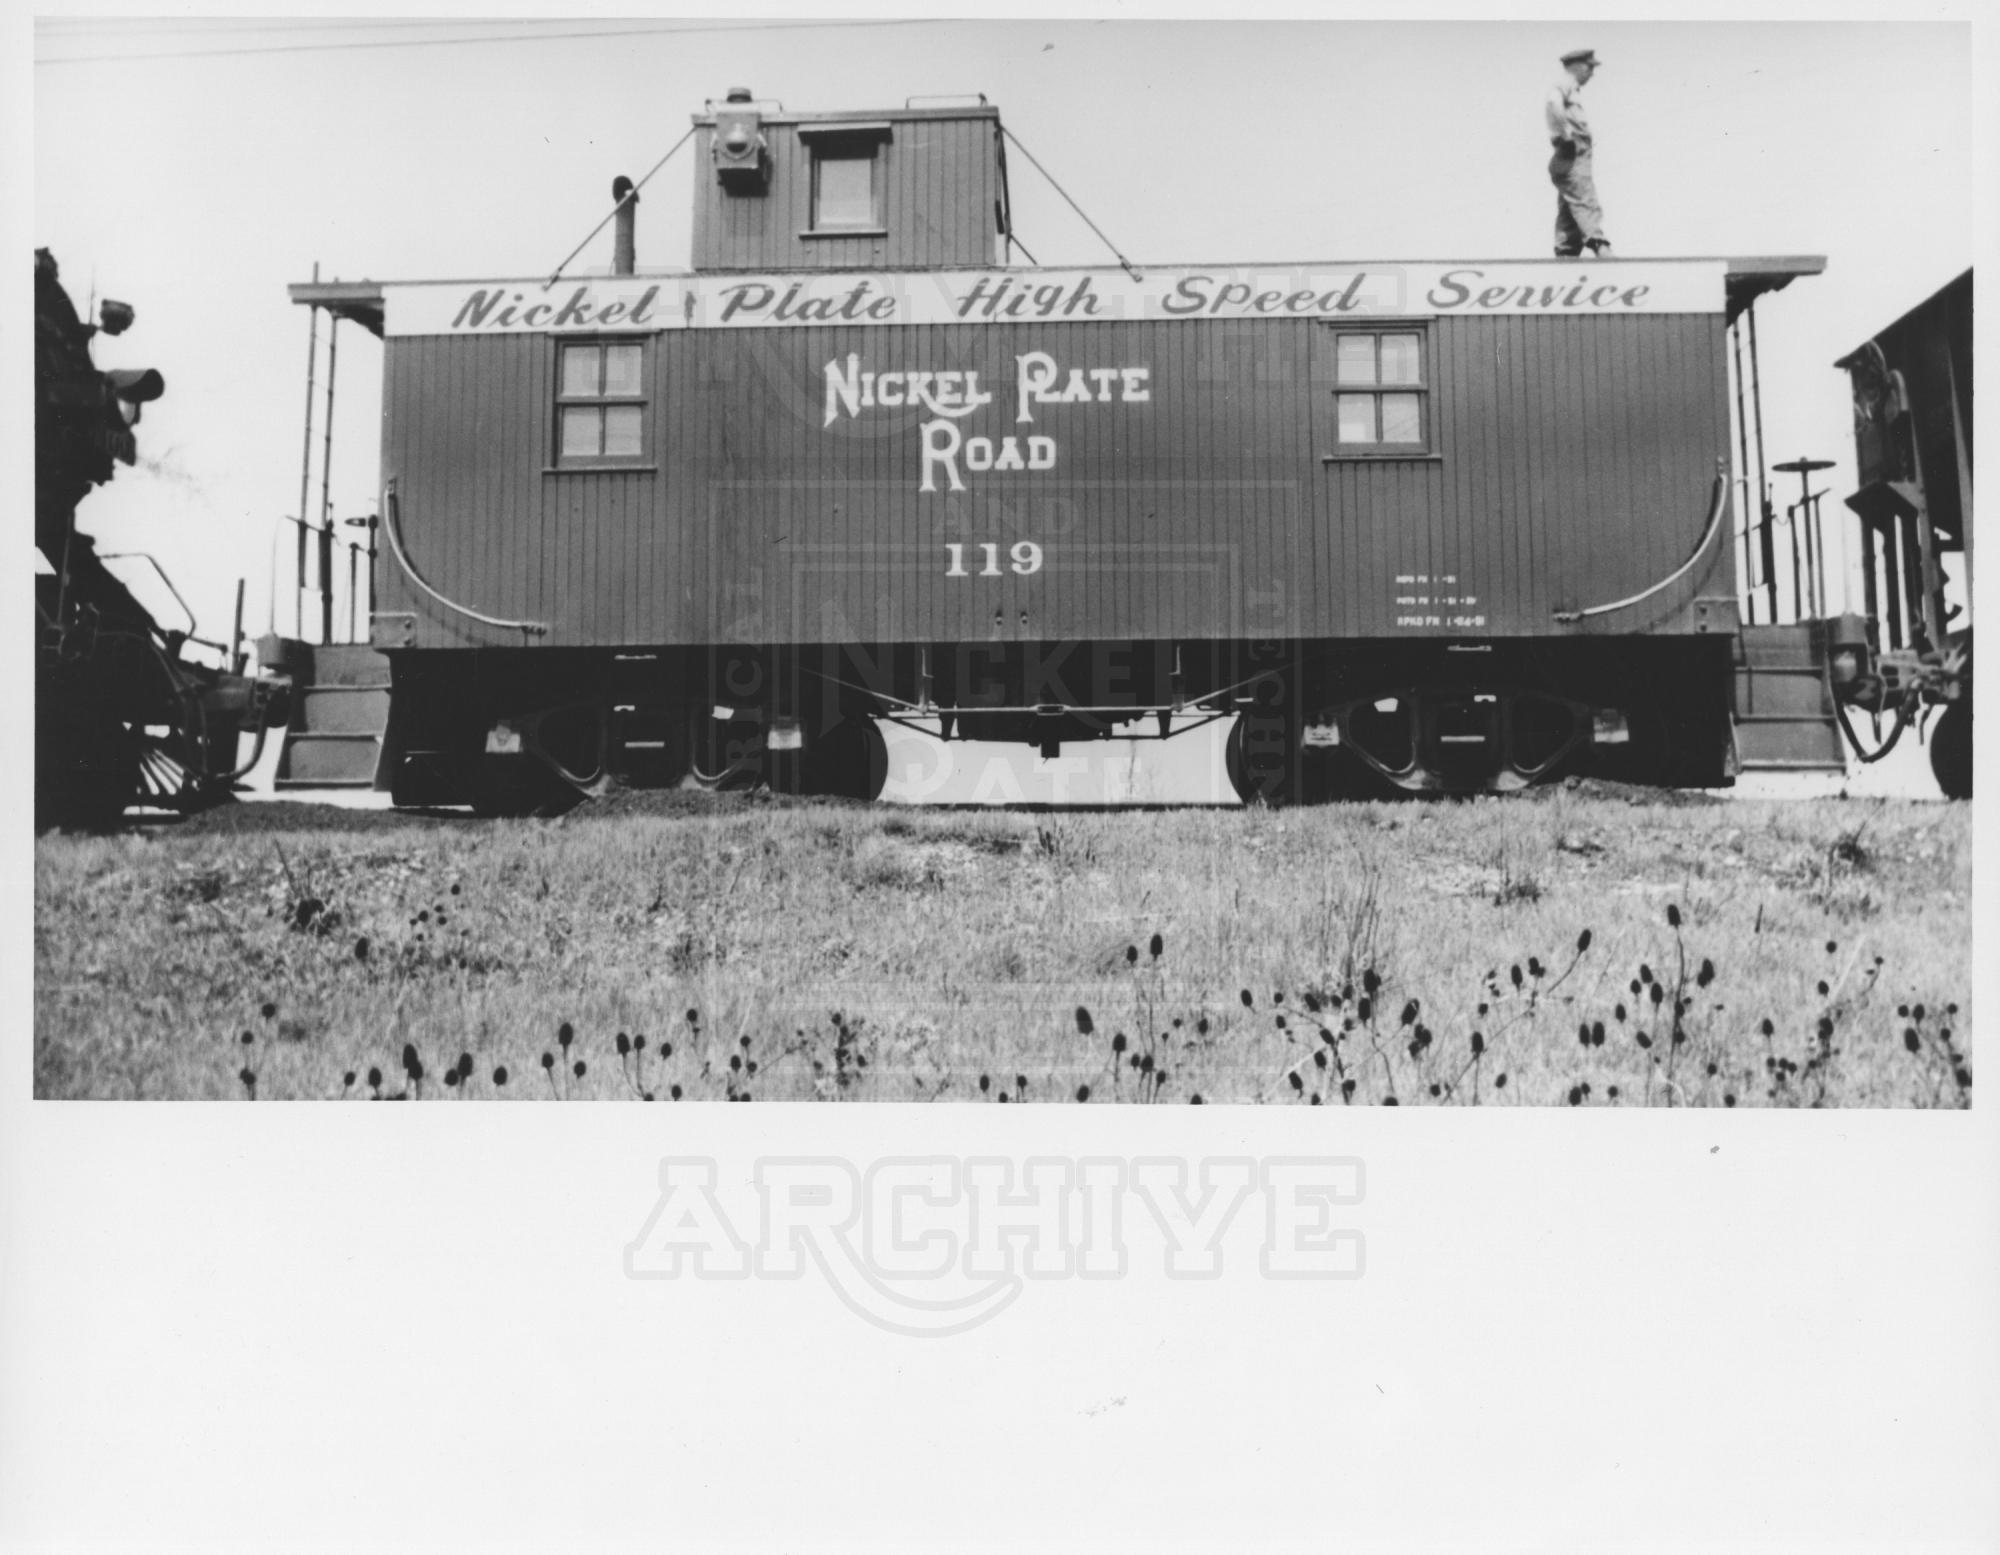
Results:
<point x="1580" y="57"/>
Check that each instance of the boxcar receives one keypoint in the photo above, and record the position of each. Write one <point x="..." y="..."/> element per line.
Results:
<point x="1912" y="652"/>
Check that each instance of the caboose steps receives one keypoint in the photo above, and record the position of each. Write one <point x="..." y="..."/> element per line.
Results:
<point x="349" y="664"/>
<point x="328" y="761"/>
<point x="1785" y="719"/>
<point x="340" y="711"/>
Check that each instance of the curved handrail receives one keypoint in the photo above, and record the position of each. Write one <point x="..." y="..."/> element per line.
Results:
<point x="1717" y="506"/>
<point x="392" y="524"/>
<point x="153" y="562"/>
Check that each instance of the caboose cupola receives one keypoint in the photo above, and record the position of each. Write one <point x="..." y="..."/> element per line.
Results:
<point x="910" y="188"/>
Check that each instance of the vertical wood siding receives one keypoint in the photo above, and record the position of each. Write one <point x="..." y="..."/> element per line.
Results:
<point x="941" y="179"/>
<point x="1573" y="467"/>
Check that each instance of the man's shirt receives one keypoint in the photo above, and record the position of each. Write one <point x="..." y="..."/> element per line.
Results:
<point x="1565" y="115"/>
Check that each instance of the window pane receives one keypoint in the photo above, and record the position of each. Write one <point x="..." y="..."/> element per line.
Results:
<point x="1357" y="417"/>
<point x="1354" y="359"/>
<point x="1400" y="362"/>
<point x="581" y="425"/>
<point x="1401" y="420"/>
<point x="621" y="369"/>
<point x="621" y="430"/>
<point x="579" y="369"/>
<point x="846" y="192"/>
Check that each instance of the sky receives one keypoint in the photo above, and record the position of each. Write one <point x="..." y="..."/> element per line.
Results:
<point x="195" y="168"/>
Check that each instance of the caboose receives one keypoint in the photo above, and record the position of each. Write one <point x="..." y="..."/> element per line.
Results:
<point x="1447" y="525"/>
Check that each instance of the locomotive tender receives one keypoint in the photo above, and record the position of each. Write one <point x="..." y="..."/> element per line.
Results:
<point x="1444" y="525"/>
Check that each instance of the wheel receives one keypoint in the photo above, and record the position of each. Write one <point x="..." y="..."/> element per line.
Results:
<point x="86" y="772"/>
<point x="1951" y="750"/>
<point x="575" y="742"/>
<point x="116" y="728"/>
<point x="426" y="777"/>
<point x="726" y="753"/>
<point x="1259" y="757"/>
<point x="1667" y="746"/>
<point x="168" y="764"/>
<point x="850" y="761"/>
<point x="1265" y="760"/>
<point x="511" y="787"/>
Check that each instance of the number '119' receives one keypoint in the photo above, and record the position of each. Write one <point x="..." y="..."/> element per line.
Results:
<point x="1027" y="558"/>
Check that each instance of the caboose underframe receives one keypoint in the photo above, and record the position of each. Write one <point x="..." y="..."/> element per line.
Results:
<point x="512" y="729"/>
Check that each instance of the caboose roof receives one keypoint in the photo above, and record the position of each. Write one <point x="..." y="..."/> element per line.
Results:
<point x="1750" y="279"/>
<point x="359" y="302"/>
<point x="773" y="113"/>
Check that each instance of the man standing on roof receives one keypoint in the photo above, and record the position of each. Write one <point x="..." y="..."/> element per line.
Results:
<point x="1579" y="218"/>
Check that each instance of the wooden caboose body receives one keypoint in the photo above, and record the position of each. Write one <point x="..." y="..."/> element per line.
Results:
<point x="1448" y="524"/>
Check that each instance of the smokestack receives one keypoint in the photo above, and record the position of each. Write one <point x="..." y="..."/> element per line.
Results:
<point x="622" y="259"/>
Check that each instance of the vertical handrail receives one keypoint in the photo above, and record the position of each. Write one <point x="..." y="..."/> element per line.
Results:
<point x="1823" y="569"/>
<point x="326" y="491"/>
<point x="1962" y="455"/>
<point x="305" y="466"/>
<point x="1743" y="467"/>
<point x="1763" y="481"/>
<point x="1870" y="588"/>
<point x="1804" y="521"/>
<point x="1798" y="598"/>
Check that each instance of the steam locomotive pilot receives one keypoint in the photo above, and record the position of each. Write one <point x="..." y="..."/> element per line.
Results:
<point x="1579" y="218"/>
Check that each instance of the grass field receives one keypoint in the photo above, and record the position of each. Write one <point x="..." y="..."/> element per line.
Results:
<point x="1527" y="951"/>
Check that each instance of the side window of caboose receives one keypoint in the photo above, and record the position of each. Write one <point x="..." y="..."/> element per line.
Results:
<point x="1381" y="395"/>
<point x="844" y="192"/>
<point x="847" y="180"/>
<point x="601" y="402"/>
